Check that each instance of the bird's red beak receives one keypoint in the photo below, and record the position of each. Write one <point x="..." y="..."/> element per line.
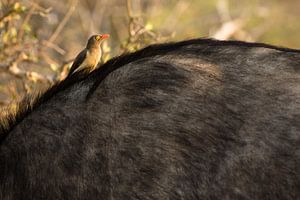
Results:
<point x="104" y="36"/>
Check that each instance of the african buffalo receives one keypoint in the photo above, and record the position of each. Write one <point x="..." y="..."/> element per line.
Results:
<point x="198" y="119"/>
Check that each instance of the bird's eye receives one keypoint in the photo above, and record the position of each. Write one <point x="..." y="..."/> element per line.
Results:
<point x="98" y="37"/>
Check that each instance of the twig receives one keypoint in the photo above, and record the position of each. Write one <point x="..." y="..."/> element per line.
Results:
<point x="228" y="29"/>
<point x="34" y="77"/>
<point x="129" y="10"/>
<point x="6" y="15"/>
<point x="63" y="22"/>
<point x="48" y="59"/>
<point x="43" y="10"/>
<point x="54" y="46"/>
<point x="27" y="18"/>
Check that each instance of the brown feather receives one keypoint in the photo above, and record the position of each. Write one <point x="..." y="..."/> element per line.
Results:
<point x="78" y="61"/>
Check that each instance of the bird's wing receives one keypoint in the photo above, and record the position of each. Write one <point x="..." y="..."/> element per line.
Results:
<point x="78" y="61"/>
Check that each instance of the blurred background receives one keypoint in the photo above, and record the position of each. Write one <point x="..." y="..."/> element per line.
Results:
<point x="40" y="38"/>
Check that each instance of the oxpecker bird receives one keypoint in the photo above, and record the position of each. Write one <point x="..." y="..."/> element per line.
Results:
<point x="88" y="59"/>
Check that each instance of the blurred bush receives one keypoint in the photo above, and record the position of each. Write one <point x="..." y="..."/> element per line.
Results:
<point x="40" y="38"/>
<point x="19" y="51"/>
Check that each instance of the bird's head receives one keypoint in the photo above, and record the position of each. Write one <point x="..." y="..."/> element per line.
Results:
<point x="95" y="40"/>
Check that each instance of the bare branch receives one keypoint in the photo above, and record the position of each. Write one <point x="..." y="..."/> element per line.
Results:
<point x="54" y="46"/>
<point x="129" y="10"/>
<point x="228" y="29"/>
<point x="61" y="25"/>
<point x="7" y="15"/>
<point x="26" y="20"/>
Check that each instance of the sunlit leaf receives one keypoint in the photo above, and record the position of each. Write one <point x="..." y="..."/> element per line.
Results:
<point x="54" y="67"/>
<point x="18" y="7"/>
<point x="149" y="26"/>
<point x="27" y="28"/>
